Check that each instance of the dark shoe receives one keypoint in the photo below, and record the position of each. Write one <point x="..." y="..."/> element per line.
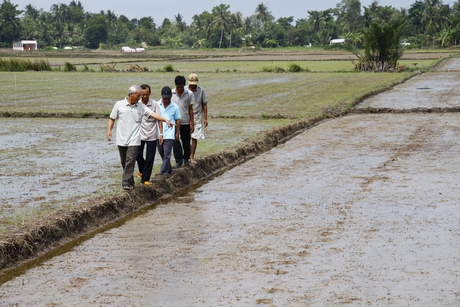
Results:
<point x="128" y="187"/>
<point x="178" y="165"/>
<point x="186" y="163"/>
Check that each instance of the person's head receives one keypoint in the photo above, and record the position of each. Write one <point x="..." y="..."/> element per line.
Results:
<point x="166" y="94"/>
<point x="192" y="82"/>
<point x="145" y="94"/>
<point x="180" y="83"/>
<point x="134" y="94"/>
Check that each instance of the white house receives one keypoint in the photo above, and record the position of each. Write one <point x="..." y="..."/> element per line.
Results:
<point x="337" y="41"/>
<point x="25" y="45"/>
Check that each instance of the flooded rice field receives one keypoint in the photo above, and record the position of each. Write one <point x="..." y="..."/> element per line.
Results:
<point x="359" y="211"/>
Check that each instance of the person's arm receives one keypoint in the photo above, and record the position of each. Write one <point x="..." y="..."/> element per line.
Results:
<point x="192" y="118"/>
<point x="205" y="115"/>
<point x="177" y="129"/>
<point x="161" y="118"/>
<point x="160" y="129"/>
<point x="109" y="129"/>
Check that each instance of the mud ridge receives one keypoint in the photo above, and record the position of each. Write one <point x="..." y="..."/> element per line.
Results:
<point x="33" y="241"/>
<point x="371" y="110"/>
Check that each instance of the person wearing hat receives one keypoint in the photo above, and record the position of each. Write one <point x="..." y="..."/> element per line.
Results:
<point x="168" y="135"/>
<point x="129" y="113"/>
<point x="185" y="100"/>
<point x="200" y="113"/>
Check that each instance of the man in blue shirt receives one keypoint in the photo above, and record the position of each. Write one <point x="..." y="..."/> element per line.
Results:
<point x="168" y="135"/>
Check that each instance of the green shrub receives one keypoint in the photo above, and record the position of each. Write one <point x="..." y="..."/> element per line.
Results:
<point x="294" y="68"/>
<point x="168" y="68"/>
<point x="24" y="65"/>
<point x="273" y="69"/>
<point x="69" y="67"/>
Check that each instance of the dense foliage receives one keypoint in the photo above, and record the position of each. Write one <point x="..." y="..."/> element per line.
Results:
<point x="429" y="23"/>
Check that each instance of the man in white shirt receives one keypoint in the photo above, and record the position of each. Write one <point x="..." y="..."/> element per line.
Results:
<point x="129" y="113"/>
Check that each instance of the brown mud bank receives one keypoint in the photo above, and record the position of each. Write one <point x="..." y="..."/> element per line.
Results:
<point x="34" y="240"/>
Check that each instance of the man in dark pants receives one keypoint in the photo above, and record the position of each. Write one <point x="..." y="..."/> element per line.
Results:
<point x="129" y="113"/>
<point x="149" y="137"/>
<point x="185" y="100"/>
<point x="168" y="135"/>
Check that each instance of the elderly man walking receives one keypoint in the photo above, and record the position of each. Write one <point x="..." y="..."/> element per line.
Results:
<point x="200" y="113"/>
<point x="129" y="113"/>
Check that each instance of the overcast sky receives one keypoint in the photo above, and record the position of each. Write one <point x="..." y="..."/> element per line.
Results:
<point x="160" y="9"/>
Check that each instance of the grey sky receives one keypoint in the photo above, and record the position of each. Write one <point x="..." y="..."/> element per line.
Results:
<point x="159" y="10"/>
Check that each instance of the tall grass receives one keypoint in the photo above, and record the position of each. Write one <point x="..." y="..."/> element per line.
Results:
<point x="24" y="65"/>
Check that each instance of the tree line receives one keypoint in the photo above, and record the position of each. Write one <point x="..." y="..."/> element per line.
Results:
<point x="427" y="23"/>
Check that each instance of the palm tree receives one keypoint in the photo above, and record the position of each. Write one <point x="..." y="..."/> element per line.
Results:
<point x="221" y="19"/>
<point x="180" y="23"/>
<point x="31" y="12"/>
<point x="317" y="19"/>
<point x="444" y="16"/>
<point x="236" y="24"/>
<point x="202" y="24"/>
<point x="263" y="15"/>
<point x="430" y="19"/>
<point x="382" y="48"/>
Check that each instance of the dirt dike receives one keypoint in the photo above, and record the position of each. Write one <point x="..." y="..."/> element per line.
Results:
<point x="32" y="241"/>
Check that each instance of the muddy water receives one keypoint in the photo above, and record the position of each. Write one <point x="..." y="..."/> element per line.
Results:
<point x="358" y="211"/>
<point x="433" y="90"/>
<point x="362" y="210"/>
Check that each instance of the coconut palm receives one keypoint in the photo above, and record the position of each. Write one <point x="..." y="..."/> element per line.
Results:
<point x="180" y="23"/>
<point x="317" y="19"/>
<point x="221" y="19"/>
<point x="264" y="15"/>
<point x="202" y="24"/>
<point x="31" y="12"/>
<point x="235" y="24"/>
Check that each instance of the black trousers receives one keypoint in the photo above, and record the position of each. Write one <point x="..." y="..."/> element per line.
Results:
<point x="146" y="165"/>
<point x="182" y="148"/>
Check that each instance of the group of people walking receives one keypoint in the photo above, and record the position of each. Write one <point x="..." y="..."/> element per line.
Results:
<point x="174" y="125"/>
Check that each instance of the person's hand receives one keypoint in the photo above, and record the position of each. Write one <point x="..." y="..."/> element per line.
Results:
<point x="161" y="140"/>
<point x="169" y="124"/>
<point x="192" y="128"/>
<point x="177" y="138"/>
<point x="109" y="136"/>
<point x="205" y="123"/>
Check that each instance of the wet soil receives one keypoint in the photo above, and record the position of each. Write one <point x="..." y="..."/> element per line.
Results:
<point x="354" y="211"/>
<point x="360" y="210"/>
<point x="437" y="90"/>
